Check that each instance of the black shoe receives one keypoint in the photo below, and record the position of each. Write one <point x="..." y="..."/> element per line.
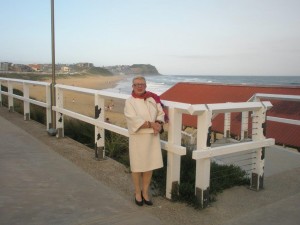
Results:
<point x="147" y="202"/>
<point x="138" y="203"/>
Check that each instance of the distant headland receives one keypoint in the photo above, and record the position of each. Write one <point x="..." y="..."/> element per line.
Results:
<point x="79" y="68"/>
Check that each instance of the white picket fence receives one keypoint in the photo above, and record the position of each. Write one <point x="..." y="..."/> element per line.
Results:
<point x="204" y="112"/>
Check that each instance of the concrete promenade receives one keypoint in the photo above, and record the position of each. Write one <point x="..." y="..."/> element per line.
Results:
<point x="40" y="187"/>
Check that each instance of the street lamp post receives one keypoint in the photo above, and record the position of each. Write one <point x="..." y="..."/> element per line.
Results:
<point x="52" y="130"/>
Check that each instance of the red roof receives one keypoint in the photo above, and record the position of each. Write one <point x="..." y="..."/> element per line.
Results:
<point x="200" y="93"/>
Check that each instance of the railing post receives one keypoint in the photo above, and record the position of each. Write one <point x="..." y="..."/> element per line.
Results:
<point x="59" y="116"/>
<point x="26" y="103"/>
<point x="99" y="132"/>
<point x="203" y="165"/>
<point x="48" y="109"/>
<point x="244" y="125"/>
<point x="257" y="175"/>
<point x="173" y="160"/>
<point x="227" y="120"/>
<point x="0" y="93"/>
<point x="10" y="96"/>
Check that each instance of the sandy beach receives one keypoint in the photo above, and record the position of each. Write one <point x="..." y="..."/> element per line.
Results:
<point x="84" y="103"/>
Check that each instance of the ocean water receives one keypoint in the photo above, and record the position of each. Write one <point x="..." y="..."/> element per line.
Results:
<point x="160" y="84"/>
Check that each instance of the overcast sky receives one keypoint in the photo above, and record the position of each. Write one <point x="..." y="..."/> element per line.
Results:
<point x="192" y="37"/>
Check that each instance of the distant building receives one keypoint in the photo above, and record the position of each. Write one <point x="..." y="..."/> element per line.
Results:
<point x="46" y="68"/>
<point x="35" y="67"/>
<point x="85" y="65"/>
<point x="4" y="66"/>
<point x="65" y="69"/>
<point x="21" y="68"/>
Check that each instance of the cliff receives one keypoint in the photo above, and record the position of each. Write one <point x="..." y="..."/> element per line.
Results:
<point x="142" y="69"/>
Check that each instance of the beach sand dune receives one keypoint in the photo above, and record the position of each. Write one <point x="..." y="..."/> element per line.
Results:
<point x="84" y="103"/>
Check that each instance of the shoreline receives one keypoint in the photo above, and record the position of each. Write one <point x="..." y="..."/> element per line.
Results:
<point x="97" y="82"/>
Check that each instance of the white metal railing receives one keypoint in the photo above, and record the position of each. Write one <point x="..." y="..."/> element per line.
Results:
<point x="26" y="96"/>
<point x="204" y="113"/>
<point x="293" y="98"/>
<point x="245" y="115"/>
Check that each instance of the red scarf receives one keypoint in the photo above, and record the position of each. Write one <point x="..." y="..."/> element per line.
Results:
<point x="148" y="94"/>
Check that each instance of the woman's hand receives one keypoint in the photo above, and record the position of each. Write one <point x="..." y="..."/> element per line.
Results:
<point x="156" y="127"/>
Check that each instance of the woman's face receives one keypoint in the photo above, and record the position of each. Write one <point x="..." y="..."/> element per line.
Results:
<point x="139" y="86"/>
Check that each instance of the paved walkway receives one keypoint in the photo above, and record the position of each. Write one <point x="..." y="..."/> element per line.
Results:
<point x="40" y="187"/>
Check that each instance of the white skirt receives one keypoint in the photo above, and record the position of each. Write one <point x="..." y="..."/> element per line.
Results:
<point x="145" y="152"/>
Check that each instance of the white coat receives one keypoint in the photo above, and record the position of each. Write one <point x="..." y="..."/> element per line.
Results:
<point x="144" y="147"/>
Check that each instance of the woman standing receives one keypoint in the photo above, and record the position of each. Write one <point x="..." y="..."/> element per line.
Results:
<point x="145" y="118"/>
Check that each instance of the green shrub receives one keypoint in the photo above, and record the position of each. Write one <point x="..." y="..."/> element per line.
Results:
<point x="4" y="101"/>
<point x="38" y="113"/>
<point x="17" y="92"/>
<point x="18" y="106"/>
<point x="3" y="88"/>
<point x="159" y="177"/>
<point x="221" y="177"/>
<point x="80" y="131"/>
<point x="226" y="176"/>
<point x="116" y="147"/>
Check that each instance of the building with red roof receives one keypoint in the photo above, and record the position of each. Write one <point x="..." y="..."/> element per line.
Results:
<point x="203" y="93"/>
